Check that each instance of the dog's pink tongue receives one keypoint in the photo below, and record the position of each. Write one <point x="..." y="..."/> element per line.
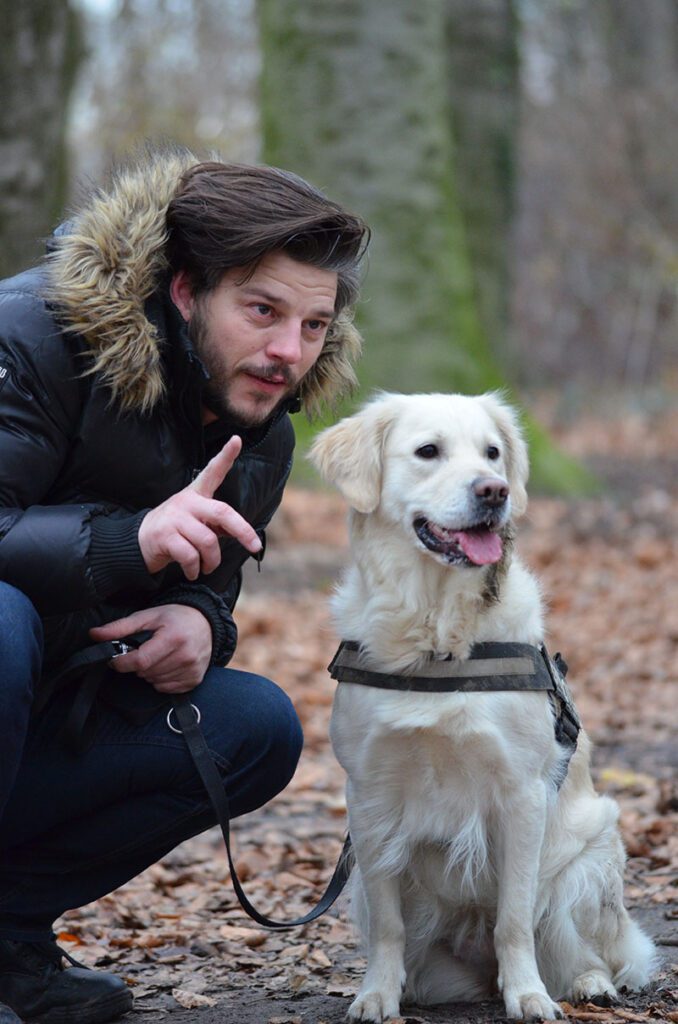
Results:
<point x="482" y="547"/>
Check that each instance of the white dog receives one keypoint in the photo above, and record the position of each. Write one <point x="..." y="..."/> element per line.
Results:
<point x="474" y="869"/>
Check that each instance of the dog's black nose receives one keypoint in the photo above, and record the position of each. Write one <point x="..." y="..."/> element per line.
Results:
<point x="491" y="490"/>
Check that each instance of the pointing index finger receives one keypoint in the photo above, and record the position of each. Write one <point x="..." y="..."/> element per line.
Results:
<point x="214" y="473"/>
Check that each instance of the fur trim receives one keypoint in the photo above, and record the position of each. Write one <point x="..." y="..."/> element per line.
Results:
<point x="102" y="272"/>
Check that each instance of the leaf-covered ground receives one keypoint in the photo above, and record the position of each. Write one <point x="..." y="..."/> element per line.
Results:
<point x="609" y="571"/>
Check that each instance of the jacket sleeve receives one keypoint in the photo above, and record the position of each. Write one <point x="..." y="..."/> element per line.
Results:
<point x="44" y="549"/>
<point x="273" y="475"/>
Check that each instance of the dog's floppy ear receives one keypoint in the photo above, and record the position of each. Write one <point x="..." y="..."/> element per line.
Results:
<point x="515" y="448"/>
<point x="349" y="455"/>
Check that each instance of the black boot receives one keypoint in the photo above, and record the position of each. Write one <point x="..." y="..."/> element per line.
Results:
<point x="35" y="984"/>
<point x="8" y="1016"/>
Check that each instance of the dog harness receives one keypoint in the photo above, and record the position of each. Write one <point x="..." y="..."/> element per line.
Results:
<point x="490" y="668"/>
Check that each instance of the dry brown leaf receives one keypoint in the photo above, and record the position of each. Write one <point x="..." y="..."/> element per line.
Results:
<point x="319" y="958"/>
<point x="192" y="1000"/>
<point x="250" y="936"/>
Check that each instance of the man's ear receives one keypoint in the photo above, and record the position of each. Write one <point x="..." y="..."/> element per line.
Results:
<point x="181" y="293"/>
<point x="349" y="455"/>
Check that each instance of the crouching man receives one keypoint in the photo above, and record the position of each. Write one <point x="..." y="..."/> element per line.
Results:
<point x="147" y="373"/>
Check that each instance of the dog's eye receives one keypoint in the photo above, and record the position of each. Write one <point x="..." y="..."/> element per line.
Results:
<point x="493" y="452"/>
<point x="428" y="451"/>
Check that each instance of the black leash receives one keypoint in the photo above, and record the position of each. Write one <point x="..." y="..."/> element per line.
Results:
<point x="87" y="669"/>
<point x="209" y="773"/>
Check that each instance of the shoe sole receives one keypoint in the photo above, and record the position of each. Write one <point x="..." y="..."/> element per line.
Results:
<point x="87" y="1013"/>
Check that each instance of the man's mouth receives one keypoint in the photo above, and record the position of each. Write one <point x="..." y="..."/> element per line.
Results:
<point x="475" y="545"/>
<point x="272" y="381"/>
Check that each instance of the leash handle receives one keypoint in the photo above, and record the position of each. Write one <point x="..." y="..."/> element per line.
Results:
<point x="213" y="783"/>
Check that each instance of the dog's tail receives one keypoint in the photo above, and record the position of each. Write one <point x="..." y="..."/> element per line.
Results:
<point x="631" y="955"/>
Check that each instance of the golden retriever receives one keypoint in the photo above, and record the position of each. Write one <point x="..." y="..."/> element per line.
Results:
<point x="475" y="869"/>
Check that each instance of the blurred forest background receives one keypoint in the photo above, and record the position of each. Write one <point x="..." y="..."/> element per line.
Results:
<point x="516" y="160"/>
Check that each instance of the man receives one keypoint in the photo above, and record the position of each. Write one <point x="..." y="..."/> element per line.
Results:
<point x="146" y="375"/>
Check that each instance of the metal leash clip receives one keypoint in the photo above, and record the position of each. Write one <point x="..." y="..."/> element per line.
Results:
<point x="130" y="643"/>
<point x="121" y="648"/>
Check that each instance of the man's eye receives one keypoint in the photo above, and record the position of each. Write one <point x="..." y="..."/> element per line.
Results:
<point x="492" y="452"/>
<point x="263" y="309"/>
<point x="316" y="325"/>
<point x="428" y="451"/>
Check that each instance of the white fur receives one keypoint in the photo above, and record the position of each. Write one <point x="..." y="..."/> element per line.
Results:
<point x="473" y="871"/>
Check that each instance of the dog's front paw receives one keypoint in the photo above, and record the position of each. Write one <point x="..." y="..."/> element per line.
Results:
<point x="532" y="1006"/>
<point x="373" y="1005"/>
<point x="594" y="987"/>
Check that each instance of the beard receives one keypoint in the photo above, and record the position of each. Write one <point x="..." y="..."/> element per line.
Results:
<point x="217" y="391"/>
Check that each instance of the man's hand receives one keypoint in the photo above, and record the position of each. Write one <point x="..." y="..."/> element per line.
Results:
<point x="178" y="654"/>
<point x="186" y="528"/>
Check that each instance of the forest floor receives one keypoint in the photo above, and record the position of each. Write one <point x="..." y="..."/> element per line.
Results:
<point x="609" y="569"/>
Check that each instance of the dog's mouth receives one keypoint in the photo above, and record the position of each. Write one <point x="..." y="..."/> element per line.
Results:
<point x="477" y="545"/>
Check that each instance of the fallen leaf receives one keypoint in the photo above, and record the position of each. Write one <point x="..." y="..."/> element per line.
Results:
<point x="191" y="1000"/>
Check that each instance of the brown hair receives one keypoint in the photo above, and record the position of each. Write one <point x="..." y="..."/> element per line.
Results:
<point x="231" y="215"/>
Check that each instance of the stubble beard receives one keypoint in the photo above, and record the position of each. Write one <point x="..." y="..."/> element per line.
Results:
<point x="216" y="394"/>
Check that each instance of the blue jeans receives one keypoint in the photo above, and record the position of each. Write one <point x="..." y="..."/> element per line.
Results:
<point x="76" y="826"/>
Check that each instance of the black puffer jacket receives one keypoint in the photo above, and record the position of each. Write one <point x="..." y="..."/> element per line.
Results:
<point x="84" y="456"/>
<point x="76" y="476"/>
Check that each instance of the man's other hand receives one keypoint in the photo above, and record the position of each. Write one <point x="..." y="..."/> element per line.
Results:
<point x="186" y="528"/>
<point x="178" y="654"/>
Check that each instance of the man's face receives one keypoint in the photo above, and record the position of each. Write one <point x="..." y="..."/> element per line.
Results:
<point x="258" y="338"/>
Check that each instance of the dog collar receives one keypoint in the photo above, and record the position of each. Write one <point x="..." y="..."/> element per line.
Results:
<point x="490" y="668"/>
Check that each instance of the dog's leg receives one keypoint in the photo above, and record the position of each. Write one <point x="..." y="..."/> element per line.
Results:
<point x="523" y="825"/>
<point x="379" y="995"/>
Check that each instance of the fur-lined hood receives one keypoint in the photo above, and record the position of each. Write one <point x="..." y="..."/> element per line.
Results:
<point x="112" y="259"/>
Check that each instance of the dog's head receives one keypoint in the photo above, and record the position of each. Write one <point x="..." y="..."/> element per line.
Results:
<point x="449" y="470"/>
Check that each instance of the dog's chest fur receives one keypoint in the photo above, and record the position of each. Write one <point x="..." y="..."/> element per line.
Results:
<point x="438" y="769"/>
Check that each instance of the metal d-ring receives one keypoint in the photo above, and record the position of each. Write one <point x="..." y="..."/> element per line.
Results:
<point x="198" y="716"/>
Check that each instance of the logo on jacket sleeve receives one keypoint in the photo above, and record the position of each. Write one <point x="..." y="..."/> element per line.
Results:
<point x="4" y="374"/>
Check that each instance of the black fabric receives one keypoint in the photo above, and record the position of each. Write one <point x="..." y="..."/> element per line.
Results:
<point x="84" y="674"/>
<point x="217" y="613"/>
<point x="77" y="474"/>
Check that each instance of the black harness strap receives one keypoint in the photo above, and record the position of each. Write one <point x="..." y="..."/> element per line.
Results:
<point x="490" y="668"/>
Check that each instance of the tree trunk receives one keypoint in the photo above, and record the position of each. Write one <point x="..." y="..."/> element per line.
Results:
<point x="39" y="51"/>
<point x="355" y="97"/>
<point x="484" y="89"/>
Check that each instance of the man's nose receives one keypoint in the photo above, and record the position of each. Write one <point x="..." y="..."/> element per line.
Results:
<point x="285" y="343"/>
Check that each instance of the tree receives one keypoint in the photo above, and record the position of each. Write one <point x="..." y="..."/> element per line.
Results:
<point x="597" y="255"/>
<point x="356" y="97"/>
<point x="481" y="38"/>
<point x="184" y="71"/>
<point x="39" y="52"/>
